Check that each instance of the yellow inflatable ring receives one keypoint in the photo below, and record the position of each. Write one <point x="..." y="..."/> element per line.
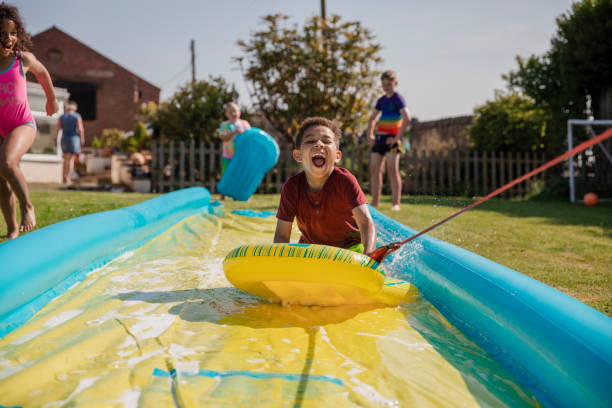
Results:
<point x="310" y="274"/>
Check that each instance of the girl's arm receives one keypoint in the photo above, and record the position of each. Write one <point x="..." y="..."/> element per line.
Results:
<point x="224" y="134"/>
<point x="282" y="235"/>
<point x="30" y="63"/>
<point x="367" y="229"/>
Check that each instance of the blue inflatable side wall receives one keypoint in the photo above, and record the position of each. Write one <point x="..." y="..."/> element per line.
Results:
<point x="556" y="346"/>
<point x="60" y="254"/>
<point x="255" y="152"/>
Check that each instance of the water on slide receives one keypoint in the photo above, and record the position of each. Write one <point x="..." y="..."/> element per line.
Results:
<point x="162" y="327"/>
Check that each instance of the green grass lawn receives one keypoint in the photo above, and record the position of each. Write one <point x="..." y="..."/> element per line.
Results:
<point x="567" y="246"/>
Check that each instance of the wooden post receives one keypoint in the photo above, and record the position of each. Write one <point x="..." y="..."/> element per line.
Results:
<point x="511" y="165"/>
<point x="279" y="169"/>
<point x="192" y="166"/>
<point x="485" y="173"/>
<point x="406" y="182"/>
<point x="424" y="170"/>
<point x="212" y="177"/>
<point x="201" y="155"/>
<point x="450" y="166"/>
<point x="457" y="171"/>
<point x="359" y="173"/>
<point x="466" y="169"/>
<point x="494" y="171"/>
<point x="182" y="164"/>
<point x="441" y="172"/>
<point x="162" y="165"/>
<point x="171" y="163"/>
<point x="476" y="178"/>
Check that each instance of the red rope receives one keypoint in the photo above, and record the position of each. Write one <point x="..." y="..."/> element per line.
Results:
<point x="380" y="253"/>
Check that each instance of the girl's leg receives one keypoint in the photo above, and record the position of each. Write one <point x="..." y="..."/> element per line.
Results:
<point x="12" y="149"/>
<point x="376" y="169"/>
<point x="395" y="178"/>
<point x="9" y="209"/>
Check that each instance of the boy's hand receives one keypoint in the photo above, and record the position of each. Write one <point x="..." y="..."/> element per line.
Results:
<point x="52" y="106"/>
<point x="371" y="140"/>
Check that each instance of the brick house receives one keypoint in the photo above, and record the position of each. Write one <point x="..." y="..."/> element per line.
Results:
<point x="108" y="95"/>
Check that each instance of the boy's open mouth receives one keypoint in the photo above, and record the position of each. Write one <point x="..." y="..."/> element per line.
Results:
<point x="318" y="160"/>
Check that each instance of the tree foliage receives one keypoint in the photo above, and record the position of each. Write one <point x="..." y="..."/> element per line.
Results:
<point x="194" y="111"/>
<point x="511" y="123"/>
<point x="326" y="68"/>
<point x="576" y="69"/>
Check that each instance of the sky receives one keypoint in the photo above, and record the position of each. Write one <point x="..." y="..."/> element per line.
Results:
<point x="449" y="55"/>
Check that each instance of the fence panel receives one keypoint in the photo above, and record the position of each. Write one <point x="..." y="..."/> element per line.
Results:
<point x="179" y="165"/>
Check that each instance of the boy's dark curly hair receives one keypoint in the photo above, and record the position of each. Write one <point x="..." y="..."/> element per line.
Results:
<point x="317" y="121"/>
<point x="8" y="12"/>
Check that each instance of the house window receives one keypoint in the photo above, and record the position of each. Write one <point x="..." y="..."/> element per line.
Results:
<point x="84" y="94"/>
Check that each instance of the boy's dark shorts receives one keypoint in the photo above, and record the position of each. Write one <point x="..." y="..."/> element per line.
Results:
<point x="381" y="147"/>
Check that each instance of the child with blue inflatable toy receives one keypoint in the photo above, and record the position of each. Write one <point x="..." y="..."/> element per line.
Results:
<point x="393" y="118"/>
<point x="17" y="125"/>
<point x="228" y="131"/>
<point x="327" y="201"/>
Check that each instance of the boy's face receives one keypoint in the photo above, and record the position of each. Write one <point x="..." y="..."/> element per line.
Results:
<point x="318" y="152"/>
<point x="388" y="86"/>
<point x="232" y="112"/>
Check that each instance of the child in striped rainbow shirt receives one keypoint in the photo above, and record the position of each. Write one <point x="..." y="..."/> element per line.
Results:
<point x="393" y="118"/>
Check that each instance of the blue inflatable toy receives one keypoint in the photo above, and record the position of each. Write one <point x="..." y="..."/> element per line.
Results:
<point x="255" y="152"/>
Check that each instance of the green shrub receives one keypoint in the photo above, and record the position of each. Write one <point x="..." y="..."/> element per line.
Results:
<point x="510" y="123"/>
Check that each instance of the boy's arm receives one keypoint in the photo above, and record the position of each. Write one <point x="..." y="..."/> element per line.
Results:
<point x="44" y="79"/>
<point x="282" y="235"/>
<point x="406" y="119"/>
<point x="370" y="130"/>
<point x="367" y="229"/>
<point x="405" y="122"/>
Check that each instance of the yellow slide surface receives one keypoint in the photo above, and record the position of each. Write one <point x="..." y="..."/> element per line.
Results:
<point x="162" y="327"/>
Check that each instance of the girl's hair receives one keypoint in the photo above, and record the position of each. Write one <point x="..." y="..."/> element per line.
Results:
<point x="24" y="40"/>
<point x="227" y="105"/>
<point x="317" y="121"/>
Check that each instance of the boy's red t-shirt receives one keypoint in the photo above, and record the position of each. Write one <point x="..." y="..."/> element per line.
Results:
<point x="325" y="217"/>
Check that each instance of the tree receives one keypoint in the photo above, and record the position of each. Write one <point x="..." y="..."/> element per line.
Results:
<point x="510" y="123"/>
<point x="194" y="111"/>
<point x="576" y="69"/>
<point x="324" y="69"/>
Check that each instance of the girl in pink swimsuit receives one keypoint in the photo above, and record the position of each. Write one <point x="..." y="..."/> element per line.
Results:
<point x="17" y="126"/>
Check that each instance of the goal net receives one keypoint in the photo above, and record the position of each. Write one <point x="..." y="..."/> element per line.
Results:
<point x="589" y="171"/>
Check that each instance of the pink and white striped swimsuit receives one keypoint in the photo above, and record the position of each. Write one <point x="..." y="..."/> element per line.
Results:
<point x="14" y="107"/>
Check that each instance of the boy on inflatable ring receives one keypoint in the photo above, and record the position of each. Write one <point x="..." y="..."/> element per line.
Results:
<point x="327" y="201"/>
